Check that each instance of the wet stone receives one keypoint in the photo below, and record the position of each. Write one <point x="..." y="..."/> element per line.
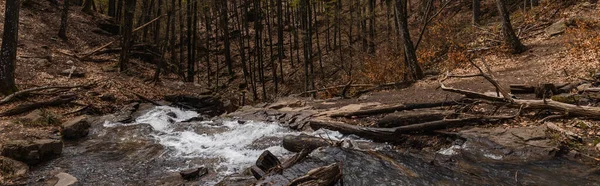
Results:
<point x="76" y="128"/>
<point x="193" y="174"/>
<point x="33" y="152"/>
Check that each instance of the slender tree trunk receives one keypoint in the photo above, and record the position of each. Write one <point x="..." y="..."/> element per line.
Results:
<point x="181" y="41"/>
<point x="126" y="40"/>
<point x="414" y="69"/>
<point x="62" y="32"/>
<point x="511" y="39"/>
<point x="280" y="51"/>
<point x="158" y="23"/>
<point x="8" y="54"/>
<point x="112" y="8"/>
<point x="190" y="67"/>
<point x="225" y="27"/>
<point x="371" y="27"/>
<point x="476" y="11"/>
<point x="87" y="7"/>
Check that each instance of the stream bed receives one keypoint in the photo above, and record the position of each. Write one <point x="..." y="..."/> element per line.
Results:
<point x="156" y="146"/>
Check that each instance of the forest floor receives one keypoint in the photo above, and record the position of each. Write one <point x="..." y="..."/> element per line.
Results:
<point x="42" y="57"/>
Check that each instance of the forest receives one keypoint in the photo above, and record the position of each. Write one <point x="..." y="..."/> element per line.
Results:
<point x="299" y="92"/>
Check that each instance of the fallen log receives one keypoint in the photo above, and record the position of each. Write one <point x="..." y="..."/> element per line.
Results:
<point x="411" y="117"/>
<point x="298" y="143"/>
<point x="17" y="94"/>
<point x="295" y="159"/>
<point x="322" y="176"/>
<point x="522" y="89"/>
<point x="59" y="100"/>
<point x="567" y="109"/>
<point x="394" y="108"/>
<point x="446" y="123"/>
<point x="378" y="134"/>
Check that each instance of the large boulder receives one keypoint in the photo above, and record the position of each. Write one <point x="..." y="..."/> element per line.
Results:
<point x="33" y="152"/>
<point x="557" y="28"/>
<point x="76" y="128"/>
<point x="203" y="104"/>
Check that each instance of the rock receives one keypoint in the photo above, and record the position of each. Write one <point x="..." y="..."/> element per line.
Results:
<point x="74" y="72"/>
<point x="110" y="68"/>
<point x="172" y="114"/>
<point x="142" y="109"/>
<point x="583" y="87"/>
<point x="70" y="62"/>
<point x="207" y="105"/>
<point x="10" y="169"/>
<point x="64" y="179"/>
<point x="195" y="119"/>
<point x="586" y="5"/>
<point x="76" y="128"/>
<point x="556" y="28"/>
<point x="43" y="63"/>
<point x="108" y="97"/>
<point x="525" y="143"/>
<point x="33" y="117"/>
<point x="193" y="174"/>
<point x="32" y="152"/>
<point x="125" y="114"/>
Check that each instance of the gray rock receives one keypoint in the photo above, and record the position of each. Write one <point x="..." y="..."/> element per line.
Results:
<point x="43" y="63"/>
<point x="192" y="174"/>
<point x="110" y="68"/>
<point x="76" y="72"/>
<point x="33" y="152"/>
<point x="583" y="87"/>
<point x="33" y="117"/>
<point x="70" y="62"/>
<point x="62" y="179"/>
<point x="556" y="28"/>
<point x="76" y="128"/>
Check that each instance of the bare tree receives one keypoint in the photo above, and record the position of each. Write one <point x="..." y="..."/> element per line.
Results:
<point x="126" y="34"/>
<point x="476" y="11"/>
<point x="8" y="53"/>
<point x="511" y="39"/>
<point x="62" y="32"/>
<point x="414" y="70"/>
<point x="87" y="7"/>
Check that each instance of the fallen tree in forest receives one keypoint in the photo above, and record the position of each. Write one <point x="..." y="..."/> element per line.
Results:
<point x="59" y="100"/>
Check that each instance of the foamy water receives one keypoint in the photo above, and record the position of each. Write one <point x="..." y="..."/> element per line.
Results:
<point x="234" y="146"/>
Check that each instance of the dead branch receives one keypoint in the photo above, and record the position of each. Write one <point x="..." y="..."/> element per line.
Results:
<point x="11" y="97"/>
<point x="394" y="108"/>
<point x="322" y="176"/>
<point x="412" y="117"/>
<point x="57" y="101"/>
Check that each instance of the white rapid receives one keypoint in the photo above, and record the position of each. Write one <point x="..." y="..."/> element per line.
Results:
<point x="229" y="146"/>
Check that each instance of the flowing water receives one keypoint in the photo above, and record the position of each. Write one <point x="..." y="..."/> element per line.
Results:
<point x="158" y="144"/>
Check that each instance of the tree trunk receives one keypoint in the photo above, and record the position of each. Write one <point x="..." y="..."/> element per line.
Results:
<point x="280" y="37"/>
<point x="190" y="62"/>
<point x="112" y="8"/>
<point x="126" y="34"/>
<point x="87" y="7"/>
<point x="8" y="54"/>
<point x="225" y="26"/>
<point x="511" y="39"/>
<point x="414" y="69"/>
<point x="62" y="32"/>
<point x="476" y="11"/>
